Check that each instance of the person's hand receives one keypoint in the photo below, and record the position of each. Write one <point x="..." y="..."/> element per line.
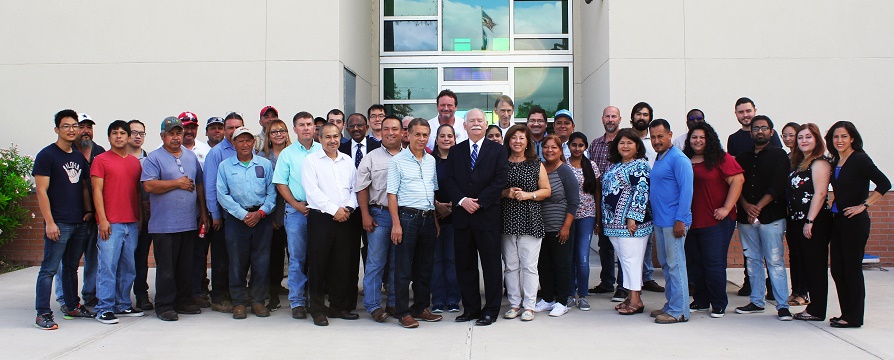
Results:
<point x="854" y="210"/>
<point x="564" y="233"/>
<point x="679" y="229"/>
<point x="369" y="224"/>
<point x="186" y="184"/>
<point x="471" y="205"/>
<point x="808" y="231"/>
<point x="276" y="225"/>
<point x="105" y="229"/>
<point x="397" y="233"/>
<point x="205" y="220"/>
<point x="302" y="208"/>
<point x="88" y="216"/>
<point x="341" y="215"/>
<point x="52" y="231"/>
<point x="631" y="226"/>
<point x="443" y="209"/>
<point x="251" y="219"/>
<point x="752" y="210"/>
<point x="721" y="213"/>
<point x="217" y="224"/>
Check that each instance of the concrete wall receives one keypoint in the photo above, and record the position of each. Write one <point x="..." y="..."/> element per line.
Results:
<point x="148" y="61"/>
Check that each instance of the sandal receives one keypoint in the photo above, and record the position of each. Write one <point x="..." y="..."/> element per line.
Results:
<point x="798" y="300"/>
<point x="623" y="304"/>
<point x="628" y="310"/>
<point x="807" y="317"/>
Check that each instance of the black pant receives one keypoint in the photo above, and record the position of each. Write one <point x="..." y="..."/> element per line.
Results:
<point x="220" y="264"/>
<point x="794" y="237"/>
<point x="607" y="260"/>
<point x="173" y="265"/>
<point x="356" y="235"/>
<point x="249" y="247"/>
<point x="469" y="245"/>
<point x="554" y="267"/>
<point x="815" y="259"/>
<point x="141" y="261"/>
<point x="414" y="259"/>
<point x="199" y="263"/>
<point x="277" y="258"/>
<point x="848" y="243"/>
<point x="329" y="263"/>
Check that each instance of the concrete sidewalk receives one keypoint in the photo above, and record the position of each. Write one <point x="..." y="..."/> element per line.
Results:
<point x="599" y="333"/>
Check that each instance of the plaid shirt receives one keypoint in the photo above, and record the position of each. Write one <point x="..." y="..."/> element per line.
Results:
<point x="599" y="153"/>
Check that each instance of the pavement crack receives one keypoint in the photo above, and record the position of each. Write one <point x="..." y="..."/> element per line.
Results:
<point x="72" y="350"/>
<point x="469" y="341"/>
<point x="846" y="341"/>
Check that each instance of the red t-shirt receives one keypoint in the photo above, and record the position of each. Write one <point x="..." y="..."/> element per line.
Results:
<point x="710" y="189"/>
<point x="120" y="189"/>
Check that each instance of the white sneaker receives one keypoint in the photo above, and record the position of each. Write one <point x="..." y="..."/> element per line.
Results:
<point x="583" y="304"/>
<point x="512" y="313"/>
<point x="527" y="315"/>
<point x="558" y="310"/>
<point x="572" y="302"/>
<point x="542" y="306"/>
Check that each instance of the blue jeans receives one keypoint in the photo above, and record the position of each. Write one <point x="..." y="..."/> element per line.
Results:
<point x="444" y="285"/>
<point x="71" y="261"/>
<point x="763" y="242"/>
<point x="296" y="234"/>
<point x="582" y="232"/>
<point x="117" y="269"/>
<point x="53" y="252"/>
<point x="413" y="261"/>
<point x="648" y="268"/>
<point x="249" y="248"/>
<point x="706" y="251"/>
<point x="672" y="256"/>
<point x="379" y="249"/>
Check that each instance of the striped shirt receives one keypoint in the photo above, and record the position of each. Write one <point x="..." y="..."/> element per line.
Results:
<point x="563" y="200"/>
<point x="413" y="181"/>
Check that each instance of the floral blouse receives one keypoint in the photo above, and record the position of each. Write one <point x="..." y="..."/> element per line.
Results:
<point x="800" y="192"/>
<point x="587" y="207"/>
<point x="625" y="195"/>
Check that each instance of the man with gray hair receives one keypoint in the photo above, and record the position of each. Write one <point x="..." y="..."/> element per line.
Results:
<point x="505" y="110"/>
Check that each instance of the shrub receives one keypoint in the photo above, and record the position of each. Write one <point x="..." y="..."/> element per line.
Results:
<point x="15" y="184"/>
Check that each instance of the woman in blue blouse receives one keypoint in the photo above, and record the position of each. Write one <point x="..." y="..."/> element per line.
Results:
<point x="625" y="198"/>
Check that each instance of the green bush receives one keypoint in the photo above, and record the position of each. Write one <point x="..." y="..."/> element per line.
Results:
<point x="15" y="184"/>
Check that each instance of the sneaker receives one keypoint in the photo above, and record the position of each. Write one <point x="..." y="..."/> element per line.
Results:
<point x="512" y="313"/>
<point x="45" y="322"/>
<point x="571" y="302"/>
<point x="437" y="309"/>
<point x="130" y="312"/>
<point x="527" y="315"/>
<point x="79" y="312"/>
<point x="599" y="289"/>
<point x="696" y="307"/>
<point x="107" y="317"/>
<point x="453" y="307"/>
<point x="717" y="313"/>
<point x="749" y="309"/>
<point x="619" y="295"/>
<point x="745" y="290"/>
<point x="428" y="316"/>
<point x="144" y="303"/>
<point x="273" y="304"/>
<point x="583" y="304"/>
<point x="558" y="310"/>
<point x="92" y="303"/>
<point x="784" y="315"/>
<point x="652" y="286"/>
<point x="542" y="306"/>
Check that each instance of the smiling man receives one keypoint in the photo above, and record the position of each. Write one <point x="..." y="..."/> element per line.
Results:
<point x="447" y="103"/>
<point x="190" y="131"/>
<point x="505" y="110"/>
<point x="537" y="125"/>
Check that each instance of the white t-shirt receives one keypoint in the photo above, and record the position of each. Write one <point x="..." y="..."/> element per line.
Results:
<point x="458" y="127"/>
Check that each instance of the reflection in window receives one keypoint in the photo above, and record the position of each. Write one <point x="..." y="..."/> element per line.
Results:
<point x="404" y="84"/>
<point x="476" y="74"/>
<point x="411" y="7"/>
<point x="541" y="17"/>
<point x="425" y="111"/>
<point x="475" y="25"/>
<point x="541" y="44"/>
<point x="411" y="35"/>
<point x="541" y="86"/>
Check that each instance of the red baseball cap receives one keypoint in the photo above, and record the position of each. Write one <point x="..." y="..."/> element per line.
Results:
<point x="268" y="108"/>
<point x="188" y="118"/>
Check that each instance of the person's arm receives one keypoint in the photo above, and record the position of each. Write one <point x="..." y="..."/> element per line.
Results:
<point x="572" y="200"/>
<point x="42" y="183"/>
<point x="163" y="186"/>
<point x="102" y="222"/>
<point x="684" y="177"/>
<point x="310" y="180"/>
<point x="286" y="193"/>
<point x="270" y="198"/>
<point x="224" y="197"/>
<point x="868" y="169"/>
<point x="396" y="230"/>
<point x="210" y="180"/>
<point x="821" y="172"/>
<point x="779" y="179"/>
<point x="639" y="199"/>
<point x="735" y="182"/>
<point x="203" y="212"/>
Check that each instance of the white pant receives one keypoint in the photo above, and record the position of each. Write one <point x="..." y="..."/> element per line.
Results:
<point x="520" y="256"/>
<point x="630" y="251"/>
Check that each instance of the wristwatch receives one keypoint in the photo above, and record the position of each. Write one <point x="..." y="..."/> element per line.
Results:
<point x="808" y="221"/>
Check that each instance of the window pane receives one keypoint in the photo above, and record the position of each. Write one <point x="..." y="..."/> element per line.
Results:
<point x="541" y="17"/>
<point x="476" y="25"/>
<point x="411" y="35"/>
<point x="425" y="111"/>
<point x="544" y="87"/>
<point x="401" y="84"/>
<point x="411" y="7"/>
<point x="541" y="44"/>
<point x="476" y="74"/>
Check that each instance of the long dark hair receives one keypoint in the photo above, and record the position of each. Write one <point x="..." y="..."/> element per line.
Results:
<point x="591" y="184"/>
<point x="614" y="156"/>
<point x="851" y="130"/>
<point x="714" y="153"/>
<point x="437" y="150"/>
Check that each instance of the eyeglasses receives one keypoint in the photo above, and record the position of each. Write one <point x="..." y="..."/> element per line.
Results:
<point x="277" y="132"/>
<point x="359" y="126"/>
<point x="68" y="127"/>
<point x="695" y="118"/>
<point x="137" y="133"/>
<point x="180" y="165"/>
<point x="759" y="128"/>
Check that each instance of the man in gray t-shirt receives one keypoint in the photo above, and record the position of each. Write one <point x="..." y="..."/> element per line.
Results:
<point x="173" y="178"/>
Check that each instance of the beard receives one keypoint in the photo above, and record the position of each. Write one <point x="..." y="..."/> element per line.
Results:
<point x="761" y="140"/>
<point x="85" y="143"/>
<point x="641" y="125"/>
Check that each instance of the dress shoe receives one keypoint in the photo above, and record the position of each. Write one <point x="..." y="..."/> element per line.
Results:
<point x="379" y="315"/>
<point x="144" y="303"/>
<point x="260" y="310"/>
<point x="189" y="309"/>
<point x="299" y="312"/>
<point x="408" y="322"/>
<point x="486" y="320"/>
<point x="391" y="311"/>
<point x="169" y="315"/>
<point x="320" y="320"/>
<point x="428" y="316"/>
<point x="239" y="312"/>
<point x="652" y="286"/>
<point x="343" y="314"/>
<point x="466" y="317"/>
<point x="282" y="290"/>
<point x="224" y="306"/>
<point x="599" y="289"/>
<point x="201" y="302"/>
<point x="843" y="324"/>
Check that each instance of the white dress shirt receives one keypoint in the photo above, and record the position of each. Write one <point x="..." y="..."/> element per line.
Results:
<point x="328" y="183"/>
<point x="354" y="148"/>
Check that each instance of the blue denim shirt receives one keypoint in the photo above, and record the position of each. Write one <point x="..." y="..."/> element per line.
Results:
<point x="215" y="157"/>
<point x="240" y="186"/>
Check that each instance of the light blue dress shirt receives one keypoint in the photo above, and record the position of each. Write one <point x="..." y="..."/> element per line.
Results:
<point x="241" y="186"/>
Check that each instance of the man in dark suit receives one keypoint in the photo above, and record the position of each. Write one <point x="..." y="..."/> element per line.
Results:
<point x="358" y="146"/>
<point x="475" y="175"/>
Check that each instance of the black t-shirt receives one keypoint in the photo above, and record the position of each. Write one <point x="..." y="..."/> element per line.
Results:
<point x="68" y="175"/>
<point x="740" y="141"/>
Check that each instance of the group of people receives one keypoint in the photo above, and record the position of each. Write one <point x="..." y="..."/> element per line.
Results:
<point x="420" y="203"/>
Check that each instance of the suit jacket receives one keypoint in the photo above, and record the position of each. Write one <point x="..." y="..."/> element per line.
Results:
<point x="371" y="144"/>
<point x="486" y="182"/>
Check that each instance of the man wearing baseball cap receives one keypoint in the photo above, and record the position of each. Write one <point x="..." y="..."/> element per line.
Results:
<point x="214" y="130"/>
<point x="563" y="124"/>
<point x="190" y="131"/>
<point x="268" y="113"/>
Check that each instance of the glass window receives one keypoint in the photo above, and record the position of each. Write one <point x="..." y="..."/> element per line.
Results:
<point x="541" y="44"/>
<point x="411" y="7"/>
<point x="476" y="74"/>
<point x="540" y="17"/>
<point x="425" y="111"/>
<point x="547" y="87"/>
<point x="404" y="84"/>
<point x="475" y="25"/>
<point x="411" y="35"/>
